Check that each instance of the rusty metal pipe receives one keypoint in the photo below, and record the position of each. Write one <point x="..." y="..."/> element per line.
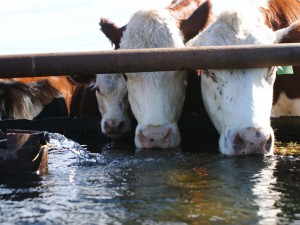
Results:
<point x="147" y="60"/>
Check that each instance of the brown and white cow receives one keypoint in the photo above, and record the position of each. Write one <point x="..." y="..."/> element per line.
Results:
<point x="279" y="14"/>
<point x="156" y="98"/>
<point x="33" y="100"/>
<point x="239" y="101"/>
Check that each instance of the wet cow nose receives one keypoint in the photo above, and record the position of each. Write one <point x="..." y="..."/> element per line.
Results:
<point x="112" y="126"/>
<point x="253" y="141"/>
<point x="155" y="137"/>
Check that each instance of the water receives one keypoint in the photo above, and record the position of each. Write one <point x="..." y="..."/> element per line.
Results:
<point x="153" y="187"/>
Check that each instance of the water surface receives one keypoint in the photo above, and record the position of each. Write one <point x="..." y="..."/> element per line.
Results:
<point x="155" y="187"/>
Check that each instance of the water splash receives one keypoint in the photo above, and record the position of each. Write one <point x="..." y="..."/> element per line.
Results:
<point x="59" y="141"/>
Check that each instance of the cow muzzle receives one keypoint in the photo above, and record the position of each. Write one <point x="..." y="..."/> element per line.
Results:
<point x="253" y="141"/>
<point x="115" y="128"/>
<point x="157" y="136"/>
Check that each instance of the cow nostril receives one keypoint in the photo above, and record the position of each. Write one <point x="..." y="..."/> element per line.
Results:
<point x="168" y="134"/>
<point x="268" y="144"/>
<point x="121" y="125"/>
<point x="238" y="143"/>
<point x="106" y="125"/>
<point x="152" y="140"/>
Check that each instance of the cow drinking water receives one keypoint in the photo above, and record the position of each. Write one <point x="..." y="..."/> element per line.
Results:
<point x="156" y="98"/>
<point x="239" y="101"/>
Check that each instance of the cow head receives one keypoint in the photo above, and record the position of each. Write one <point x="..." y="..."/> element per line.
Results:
<point x="111" y="93"/>
<point x="156" y="98"/>
<point x="239" y="101"/>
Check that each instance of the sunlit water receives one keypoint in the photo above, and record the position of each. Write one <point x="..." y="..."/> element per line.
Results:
<point x="153" y="187"/>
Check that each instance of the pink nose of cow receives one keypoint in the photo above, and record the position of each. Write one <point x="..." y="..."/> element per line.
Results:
<point x="155" y="137"/>
<point x="113" y="126"/>
<point x="253" y="141"/>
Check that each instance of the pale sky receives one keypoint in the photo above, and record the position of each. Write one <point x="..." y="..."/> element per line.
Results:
<point x="45" y="26"/>
<point x="42" y="26"/>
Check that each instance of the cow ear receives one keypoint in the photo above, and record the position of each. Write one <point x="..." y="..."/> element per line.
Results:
<point x="112" y="31"/>
<point x="290" y="34"/>
<point x="199" y="20"/>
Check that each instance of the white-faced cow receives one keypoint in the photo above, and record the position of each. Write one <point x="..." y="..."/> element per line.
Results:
<point x="107" y="93"/>
<point x="156" y="98"/>
<point x="239" y="101"/>
<point x="112" y="98"/>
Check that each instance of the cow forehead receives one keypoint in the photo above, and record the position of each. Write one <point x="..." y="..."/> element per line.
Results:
<point x="233" y="27"/>
<point x="151" y="28"/>
<point x="240" y="80"/>
<point x="111" y="83"/>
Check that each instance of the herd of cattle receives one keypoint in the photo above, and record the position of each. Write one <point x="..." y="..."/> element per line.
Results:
<point x="238" y="101"/>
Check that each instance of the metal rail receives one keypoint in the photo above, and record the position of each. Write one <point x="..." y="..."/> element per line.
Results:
<point x="147" y="60"/>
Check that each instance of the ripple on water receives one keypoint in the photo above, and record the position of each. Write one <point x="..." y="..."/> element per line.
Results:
<point x="154" y="187"/>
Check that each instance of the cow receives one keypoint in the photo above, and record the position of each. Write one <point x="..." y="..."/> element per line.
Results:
<point x="239" y="101"/>
<point x="286" y="97"/>
<point x="64" y="84"/>
<point x="33" y="100"/>
<point x="104" y="95"/>
<point x="84" y="102"/>
<point x="156" y="98"/>
<point x="112" y="99"/>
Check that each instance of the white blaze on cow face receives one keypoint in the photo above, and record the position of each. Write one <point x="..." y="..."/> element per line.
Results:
<point x="156" y="98"/>
<point x="112" y="97"/>
<point x="239" y="101"/>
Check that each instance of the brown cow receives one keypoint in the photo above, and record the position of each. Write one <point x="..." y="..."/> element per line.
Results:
<point x="84" y="102"/>
<point x="64" y="84"/>
<point x="33" y="100"/>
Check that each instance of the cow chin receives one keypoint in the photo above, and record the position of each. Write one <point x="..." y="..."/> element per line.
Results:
<point x="247" y="141"/>
<point x="157" y="136"/>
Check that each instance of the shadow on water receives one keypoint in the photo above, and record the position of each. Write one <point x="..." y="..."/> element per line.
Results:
<point x="115" y="183"/>
<point x="15" y="187"/>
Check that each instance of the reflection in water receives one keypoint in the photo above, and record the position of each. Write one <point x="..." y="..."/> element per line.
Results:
<point x="265" y="196"/>
<point x="287" y="172"/>
<point x="156" y="187"/>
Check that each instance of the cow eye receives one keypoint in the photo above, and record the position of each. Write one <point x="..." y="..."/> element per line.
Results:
<point x="98" y="91"/>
